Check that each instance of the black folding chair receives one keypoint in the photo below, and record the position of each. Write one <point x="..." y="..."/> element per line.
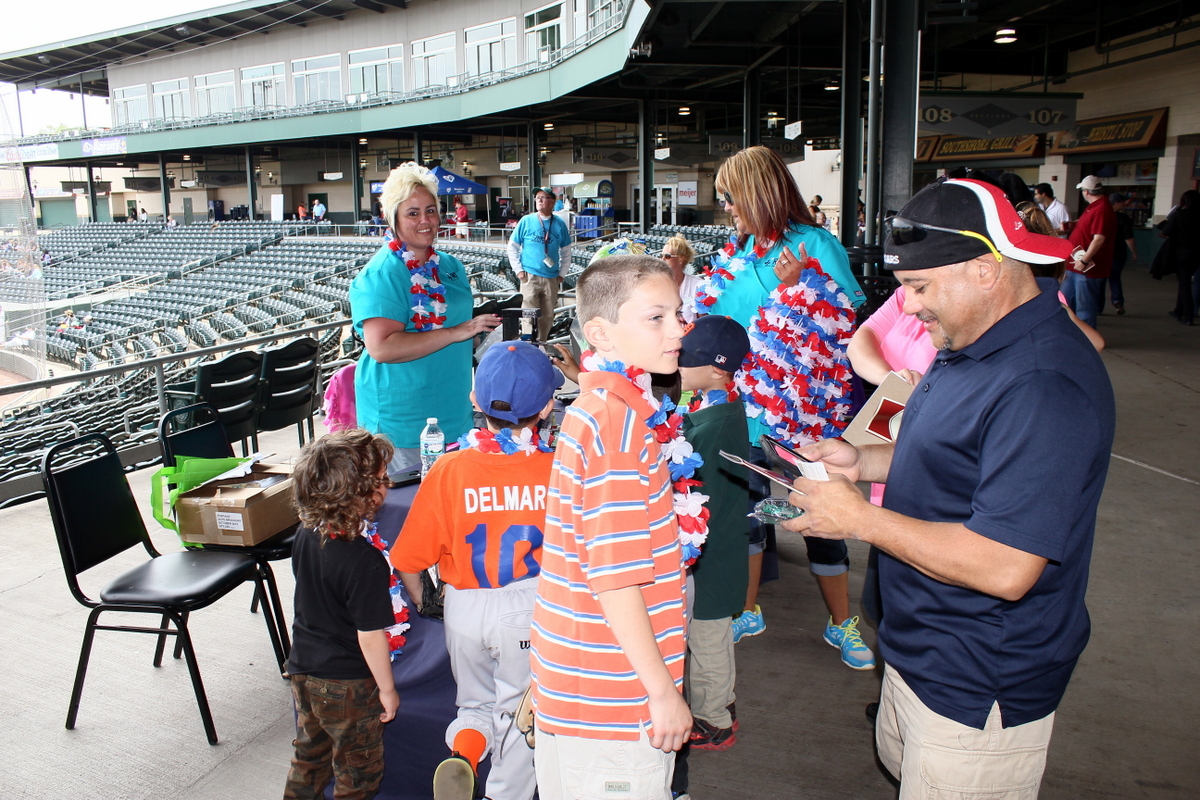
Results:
<point x="197" y="430"/>
<point x="289" y="386"/>
<point x="96" y="518"/>
<point x="232" y="385"/>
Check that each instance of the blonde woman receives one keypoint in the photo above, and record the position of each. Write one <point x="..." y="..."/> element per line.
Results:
<point x="412" y="306"/>
<point x="678" y="254"/>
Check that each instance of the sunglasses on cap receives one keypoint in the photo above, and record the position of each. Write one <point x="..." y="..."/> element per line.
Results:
<point x="906" y="231"/>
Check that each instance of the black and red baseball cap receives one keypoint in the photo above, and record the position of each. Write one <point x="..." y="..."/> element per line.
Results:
<point x="956" y="220"/>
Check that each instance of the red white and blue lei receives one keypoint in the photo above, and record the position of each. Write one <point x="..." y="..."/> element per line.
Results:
<point x="682" y="461"/>
<point x="428" y="292"/>
<point x="796" y="379"/>
<point x="395" y="634"/>
<point x="506" y="442"/>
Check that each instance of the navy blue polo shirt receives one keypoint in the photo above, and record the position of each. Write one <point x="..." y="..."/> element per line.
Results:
<point x="1011" y="437"/>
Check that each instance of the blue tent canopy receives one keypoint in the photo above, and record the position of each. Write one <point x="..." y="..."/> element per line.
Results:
<point x="450" y="183"/>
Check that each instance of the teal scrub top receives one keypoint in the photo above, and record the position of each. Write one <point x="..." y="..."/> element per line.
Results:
<point x="396" y="399"/>
<point x="742" y="298"/>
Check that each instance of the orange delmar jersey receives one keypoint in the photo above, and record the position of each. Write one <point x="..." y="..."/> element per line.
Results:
<point x="480" y="517"/>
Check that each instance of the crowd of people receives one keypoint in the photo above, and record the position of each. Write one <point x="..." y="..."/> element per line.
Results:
<point x="594" y="595"/>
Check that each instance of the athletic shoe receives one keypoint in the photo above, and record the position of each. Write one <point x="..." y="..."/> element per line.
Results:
<point x="748" y="623"/>
<point x="732" y="709"/>
<point x="846" y="638"/>
<point x="454" y="779"/>
<point x="1120" y="307"/>
<point x="710" y="737"/>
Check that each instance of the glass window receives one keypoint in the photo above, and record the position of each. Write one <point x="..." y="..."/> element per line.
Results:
<point x="492" y="47"/>
<point x="214" y="93"/>
<point x="317" y="79"/>
<point x="543" y="32"/>
<point x="130" y="105"/>
<point x="170" y="99"/>
<point x="599" y="12"/>
<point x="433" y="61"/>
<point x="262" y="87"/>
<point x="377" y="71"/>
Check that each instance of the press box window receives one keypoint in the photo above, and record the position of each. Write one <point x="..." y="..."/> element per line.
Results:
<point x="433" y="61"/>
<point x="262" y="87"/>
<point x="214" y="93"/>
<point x="377" y="71"/>
<point x="130" y="105"/>
<point x="492" y="47"/>
<point x="543" y="33"/>
<point x="317" y="79"/>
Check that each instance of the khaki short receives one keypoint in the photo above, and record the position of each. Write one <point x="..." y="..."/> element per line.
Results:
<point x="936" y="758"/>
<point x="572" y="768"/>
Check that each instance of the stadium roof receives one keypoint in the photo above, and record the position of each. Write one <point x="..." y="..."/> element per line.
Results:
<point x="84" y="59"/>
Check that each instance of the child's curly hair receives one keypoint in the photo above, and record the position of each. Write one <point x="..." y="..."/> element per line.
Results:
<point x="335" y="480"/>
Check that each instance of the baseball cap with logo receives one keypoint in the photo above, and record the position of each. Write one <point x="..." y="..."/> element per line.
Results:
<point x="516" y="373"/>
<point x="1090" y="184"/>
<point x="714" y="341"/>
<point x="952" y="221"/>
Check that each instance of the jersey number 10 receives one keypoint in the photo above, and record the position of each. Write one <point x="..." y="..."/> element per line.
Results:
<point x="478" y="540"/>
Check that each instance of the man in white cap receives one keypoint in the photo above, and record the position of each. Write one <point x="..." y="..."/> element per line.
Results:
<point x="985" y="534"/>
<point x="1096" y="235"/>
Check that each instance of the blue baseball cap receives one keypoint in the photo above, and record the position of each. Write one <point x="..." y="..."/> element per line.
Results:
<point x="516" y="373"/>
<point x="714" y="341"/>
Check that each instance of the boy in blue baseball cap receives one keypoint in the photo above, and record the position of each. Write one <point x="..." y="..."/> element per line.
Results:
<point x="709" y="355"/>
<point x="479" y="515"/>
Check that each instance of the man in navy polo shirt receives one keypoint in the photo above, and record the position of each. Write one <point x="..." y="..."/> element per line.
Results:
<point x="988" y="519"/>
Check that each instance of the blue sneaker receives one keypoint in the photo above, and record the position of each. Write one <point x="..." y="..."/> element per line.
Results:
<point x="846" y="638"/>
<point x="748" y="623"/>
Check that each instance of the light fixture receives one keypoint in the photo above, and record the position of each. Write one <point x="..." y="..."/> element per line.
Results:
<point x="1006" y="36"/>
<point x="362" y="141"/>
<point x="549" y="126"/>
<point x="183" y="30"/>
<point x="465" y="164"/>
<point x="773" y="119"/>
<point x="187" y="158"/>
<point x="831" y="85"/>
<point x="684" y="111"/>
<point x="42" y="57"/>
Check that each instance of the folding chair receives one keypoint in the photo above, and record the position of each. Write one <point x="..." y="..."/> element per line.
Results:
<point x="95" y="518"/>
<point x="204" y="437"/>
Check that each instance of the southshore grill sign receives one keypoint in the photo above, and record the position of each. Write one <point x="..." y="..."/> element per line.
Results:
<point x="1119" y="132"/>
<point x="966" y="148"/>
<point x="995" y="114"/>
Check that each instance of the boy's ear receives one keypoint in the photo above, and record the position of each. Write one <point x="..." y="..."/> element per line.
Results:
<point x="545" y="412"/>
<point x="475" y="404"/>
<point x="595" y="330"/>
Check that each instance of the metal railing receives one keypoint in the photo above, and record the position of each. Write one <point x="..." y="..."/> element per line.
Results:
<point x="455" y="84"/>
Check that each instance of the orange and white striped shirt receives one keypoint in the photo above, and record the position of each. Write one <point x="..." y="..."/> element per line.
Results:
<point x="610" y="524"/>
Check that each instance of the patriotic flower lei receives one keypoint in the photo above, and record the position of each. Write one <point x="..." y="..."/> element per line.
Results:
<point x="796" y="380"/>
<point x="395" y="634"/>
<point x="428" y="292"/>
<point x="486" y="441"/>
<point x="682" y="460"/>
<point x="713" y="397"/>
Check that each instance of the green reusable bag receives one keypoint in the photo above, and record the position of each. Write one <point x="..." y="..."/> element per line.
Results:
<point x="188" y="473"/>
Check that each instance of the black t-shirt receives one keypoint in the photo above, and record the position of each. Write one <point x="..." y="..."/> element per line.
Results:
<point x="1124" y="234"/>
<point x="341" y="589"/>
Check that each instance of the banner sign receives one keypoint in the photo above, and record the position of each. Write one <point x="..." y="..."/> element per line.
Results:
<point x="31" y="152"/>
<point x="510" y="166"/>
<point x="996" y="114"/>
<point x="1118" y="132"/>
<point x="112" y="146"/>
<point x="925" y="147"/>
<point x="377" y="187"/>
<point x="724" y="145"/>
<point x="687" y="193"/>
<point x="791" y="151"/>
<point x="965" y="148"/>
<point x="827" y="143"/>
<point x="616" y="157"/>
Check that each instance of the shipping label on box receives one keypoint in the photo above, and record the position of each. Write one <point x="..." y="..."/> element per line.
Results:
<point x="242" y="511"/>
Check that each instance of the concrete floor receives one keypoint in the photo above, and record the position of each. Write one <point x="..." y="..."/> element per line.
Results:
<point x="1127" y="728"/>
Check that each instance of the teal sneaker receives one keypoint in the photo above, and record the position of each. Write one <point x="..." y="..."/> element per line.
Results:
<point x="846" y="638"/>
<point x="748" y="623"/>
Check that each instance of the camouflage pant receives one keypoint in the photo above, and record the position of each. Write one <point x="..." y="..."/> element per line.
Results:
<point x="338" y="735"/>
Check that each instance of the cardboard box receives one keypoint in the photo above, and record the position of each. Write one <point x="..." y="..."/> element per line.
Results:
<point x="229" y="512"/>
<point x="879" y="420"/>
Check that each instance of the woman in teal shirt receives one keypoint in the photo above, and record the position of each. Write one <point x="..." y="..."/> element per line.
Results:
<point x="789" y="282"/>
<point x="412" y="306"/>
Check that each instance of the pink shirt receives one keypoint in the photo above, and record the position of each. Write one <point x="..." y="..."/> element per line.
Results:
<point x="902" y="339"/>
<point x="905" y="345"/>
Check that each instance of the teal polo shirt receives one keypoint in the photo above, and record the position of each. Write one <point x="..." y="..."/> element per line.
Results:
<point x="531" y="233"/>
<point x="396" y="399"/>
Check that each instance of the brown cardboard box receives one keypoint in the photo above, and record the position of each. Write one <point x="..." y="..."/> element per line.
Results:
<point x="216" y="513"/>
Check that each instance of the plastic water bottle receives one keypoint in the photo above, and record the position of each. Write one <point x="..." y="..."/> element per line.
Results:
<point x="433" y="444"/>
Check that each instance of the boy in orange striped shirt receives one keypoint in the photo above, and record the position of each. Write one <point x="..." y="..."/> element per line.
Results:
<point x="608" y="626"/>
